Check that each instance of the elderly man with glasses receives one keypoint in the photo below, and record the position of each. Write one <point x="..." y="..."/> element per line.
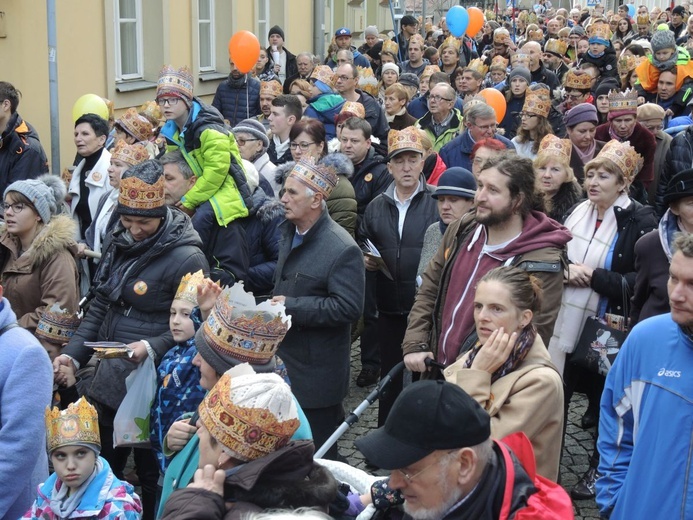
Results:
<point x="480" y="123"/>
<point x="443" y="121"/>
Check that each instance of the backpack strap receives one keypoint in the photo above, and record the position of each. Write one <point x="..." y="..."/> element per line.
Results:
<point x="509" y="480"/>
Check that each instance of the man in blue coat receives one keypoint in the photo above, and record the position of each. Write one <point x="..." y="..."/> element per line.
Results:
<point x="238" y="97"/>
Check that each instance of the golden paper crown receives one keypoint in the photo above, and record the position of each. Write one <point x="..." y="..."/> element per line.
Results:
<point x="518" y="59"/>
<point x="453" y="42"/>
<point x="355" y="108"/>
<point x="428" y="71"/>
<point x="556" y="46"/>
<point x="57" y="325"/>
<point x="501" y="35"/>
<point x="624" y="157"/>
<point x="579" y="80"/>
<point x="245" y="424"/>
<point x="317" y="177"/>
<point x="187" y="289"/>
<point x="177" y="82"/>
<point x="537" y="101"/>
<point x="138" y="195"/>
<point x="600" y="30"/>
<point x="623" y="101"/>
<point x="472" y="100"/>
<point x="629" y="62"/>
<point x="270" y="88"/>
<point x="407" y="140"/>
<point x="555" y="147"/>
<point x="131" y="154"/>
<point x="417" y="38"/>
<point x="535" y="36"/>
<point x="152" y="111"/>
<point x="77" y="424"/>
<point x="642" y="19"/>
<point x="136" y="125"/>
<point x="367" y="81"/>
<point x="499" y="63"/>
<point x="323" y="73"/>
<point x="391" y="47"/>
<point x="478" y="65"/>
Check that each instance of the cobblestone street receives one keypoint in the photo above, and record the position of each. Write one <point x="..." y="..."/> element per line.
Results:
<point x="578" y="444"/>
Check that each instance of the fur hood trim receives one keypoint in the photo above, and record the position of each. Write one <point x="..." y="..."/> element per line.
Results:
<point x="57" y="235"/>
<point x="283" y="171"/>
<point x="270" y="210"/>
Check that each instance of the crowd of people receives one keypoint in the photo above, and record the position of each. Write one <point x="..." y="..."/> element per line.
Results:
<point x="233" y="252"/>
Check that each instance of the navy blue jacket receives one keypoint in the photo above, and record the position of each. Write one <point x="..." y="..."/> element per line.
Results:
<point x="457" y="152"/>
<point x="21" y="154"/>
<point x="234" y="103"/>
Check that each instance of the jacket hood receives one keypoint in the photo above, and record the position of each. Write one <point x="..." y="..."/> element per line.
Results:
<point x="57" y="235"/>
<point x="18" y="125"/>
<point x="270" y="210"/>
<point x="283" y="171"/>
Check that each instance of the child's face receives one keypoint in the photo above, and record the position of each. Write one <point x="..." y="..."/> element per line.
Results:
<point x="52" y="349"/>
<point x="73" y="464"/>
<point x="597" y="48"/>
<point x="181" y="325"/>
<point x="664" y="54"/>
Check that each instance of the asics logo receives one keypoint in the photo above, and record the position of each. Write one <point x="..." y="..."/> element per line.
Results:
<point x="669" y="373"/>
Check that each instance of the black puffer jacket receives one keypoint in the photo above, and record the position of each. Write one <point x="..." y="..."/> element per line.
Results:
<point x="401" y="255"/>
<point x="607" y="63"/>
<point x="21" y="154"/>
<point x="370" y="179"/>
<point x="679" y="158"/>
<point x="234" y="103"/>
<point x="142" y="311"/>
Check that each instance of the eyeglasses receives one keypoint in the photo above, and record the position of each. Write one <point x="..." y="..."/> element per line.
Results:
<point x="436" y="98"/>
<point x="170" y="101"/>
<point x="344" y="78"/>
<point x="410" y="478"/>
<point x="17" y="207"/>
<point x="486" y="128"/>
<point x="241" y="142"/>
<point x="523" y="115"/>
<point x="303" y="146"/>
<point x="575" y="97"/>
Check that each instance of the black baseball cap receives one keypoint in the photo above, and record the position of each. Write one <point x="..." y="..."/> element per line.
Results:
<point x="680" y="186"/>
<point x="426" y="417"/>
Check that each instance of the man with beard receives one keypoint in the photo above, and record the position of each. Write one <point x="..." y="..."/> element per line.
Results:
<point x="507" y="228"/>
<point x="269" y="91"/>
<point x="554" y="50"/>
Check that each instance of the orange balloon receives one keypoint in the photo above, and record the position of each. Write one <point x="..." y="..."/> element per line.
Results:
<point x="244" y="50"/>
<point x="476" y="21"/>
<point x="496" y="101"/>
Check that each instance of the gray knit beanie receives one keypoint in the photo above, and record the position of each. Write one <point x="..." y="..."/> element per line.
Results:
<point x="46" y="194"/>
<point x="577" y="29"/>
<point x="409" y="80"/>
<point x="371" y="30"/>
<point x="254" y="128"/>
<point x="662" y="40"/>
<point x="522" y="72"/>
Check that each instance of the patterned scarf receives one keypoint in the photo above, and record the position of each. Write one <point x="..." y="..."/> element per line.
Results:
<point x="517" y="356"/>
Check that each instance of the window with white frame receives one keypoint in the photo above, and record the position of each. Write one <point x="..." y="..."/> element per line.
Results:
<point x="128" y="39"/>
<point x="263" y="13"/>
<point x="206" y="35"/>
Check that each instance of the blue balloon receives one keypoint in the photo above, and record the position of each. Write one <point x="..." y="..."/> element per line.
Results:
<point x="631" y="10"/>
<point x="457" y="20"/>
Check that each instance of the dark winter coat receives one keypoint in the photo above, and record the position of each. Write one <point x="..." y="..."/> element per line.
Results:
<point x="272" y="152"/>
<point x="545" y="76"/>
<point x="650" y="296"/>
<point x="375" y="115"/>
<point x="679" y="158"/>
<point x="401" y="255"/>
<point x="607" y="63"/>
<point x="262" y="235"/>
<point x="576" y="163"/>
<point x="21" y="154"/>
<point x="401" y="122"/>
<point x="285" y="479"/>
<point x="142" y="311"/>
<point x="458" y="151"/>
<point x="323" y="281"/>
<point x="567" y="196"/>
<point x="238" y="99"/>
<point x="291" y="66"/>
<point x="511" y="119"/>
<point x="370" y="179"/>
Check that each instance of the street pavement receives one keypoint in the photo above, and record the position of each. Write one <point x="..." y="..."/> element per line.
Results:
<point x="578" y="442"/>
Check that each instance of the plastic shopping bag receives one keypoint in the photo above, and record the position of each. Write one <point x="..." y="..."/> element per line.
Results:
<point x="131" y="423"/>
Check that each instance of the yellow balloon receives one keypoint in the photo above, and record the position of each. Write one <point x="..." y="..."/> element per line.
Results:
<point x="89" y="104"/>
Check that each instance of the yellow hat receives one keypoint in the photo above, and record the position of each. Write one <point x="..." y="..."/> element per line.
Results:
<point x="453" y="42"/>
<point x="499" y="63"/>
<point x="577" y="79"/>
<point x="478" y="66"/>
<point x="367" y="81"/>
<point x="624" y="157"/>
<point x="270" y="88"/>
<point x="77" y="425"/>
<point x="391" y="47"/>
<point x="187" y="289"/>
<point x="556" y="46"/>
<point x="501" y="35"/>
<point x="555" y="147"/>
<point x="537" y="100"/>
<point x="324" y="74"/>
<point x="355" y="108"/>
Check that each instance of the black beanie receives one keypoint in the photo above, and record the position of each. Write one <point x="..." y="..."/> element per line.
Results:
<point x="606" y="86"/>
<point x="276" y="30"/>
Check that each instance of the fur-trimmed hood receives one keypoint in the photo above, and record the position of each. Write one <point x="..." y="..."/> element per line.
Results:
<point x="283" y="171"/>
<point x="57" y="235"/>
<point x="266" y="208"/>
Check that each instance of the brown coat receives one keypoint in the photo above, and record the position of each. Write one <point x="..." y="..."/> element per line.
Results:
<point x="44" y="274"/>
<point x="529" y="399"/>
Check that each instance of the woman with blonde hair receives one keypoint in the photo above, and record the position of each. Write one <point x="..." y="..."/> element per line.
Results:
<point x="555" y="177"/>
<point x="388" y="77"/>
<point x="396" y="99"/>
<point x="534" y="122"/>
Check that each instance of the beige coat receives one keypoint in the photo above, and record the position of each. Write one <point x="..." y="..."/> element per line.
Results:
<point x="45" y="274"/>
<point x="529" y="399"/>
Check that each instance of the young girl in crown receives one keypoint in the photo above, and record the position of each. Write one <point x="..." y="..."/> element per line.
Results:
<point x="83" y="485"/>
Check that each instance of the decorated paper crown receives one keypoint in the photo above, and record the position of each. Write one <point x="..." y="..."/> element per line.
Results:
<point x="428" y="71"/>
<point x="136" y="125"/>
<point x="624" y="157"/>
<point x="626" y="101"/>
<point x="518" y="59"/>
<point x="151" y="110"/>
<point x="316" y="177"/>
<point x="470" y="101"/>
<point x="138" y="195"/>
<point x="453" y="42"/>
<point x="538" y="100"/>
<point x="57" y="325"/>
<point x="237" y="328"/>
<point x="175" y="82"/>
<point x="555" y="147"/>
<point x="579" y="81"/>
<point x="131" y="154"/>
<point x="407" y="140"/>
<point x="367" y="81"/>
<point x="187" y="289"/>
<point x="251" y="416"/>
<point x="478" y="65"/>
<point x="78" y="424"/>
<point x="629" y="62"/>
<point x="323" y="73"/>
<point x="643" y="19"/>
<point x="600" y="31"/>
<point x="355" y="108"/>
<point x="417" y="38"/>
<point x="556" y="46"/>
<point x="499" y="63"/>
<point x="270" y="88"/>
<point x="391" y="47"/>
<point x="501" y="35"/>
<point x="535" y="35"/>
